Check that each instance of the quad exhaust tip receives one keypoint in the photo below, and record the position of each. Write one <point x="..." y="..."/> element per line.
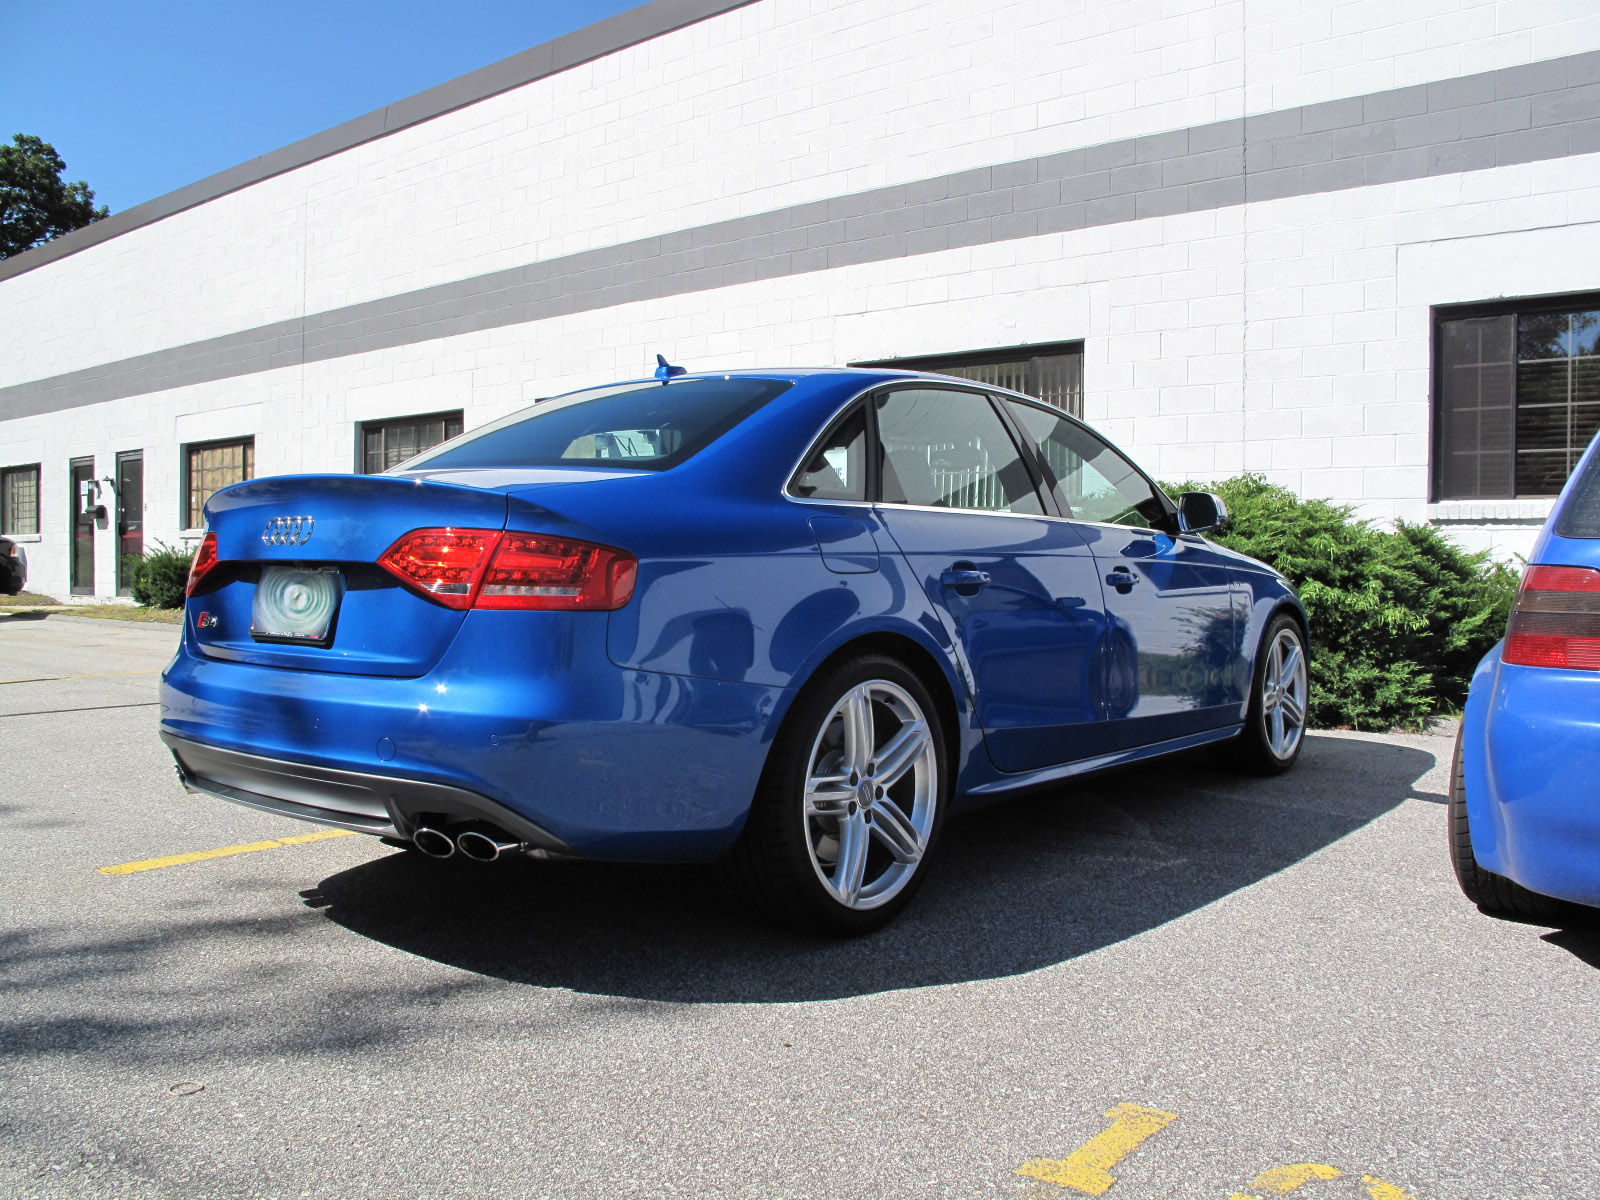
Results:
<point x="435" y="843"/>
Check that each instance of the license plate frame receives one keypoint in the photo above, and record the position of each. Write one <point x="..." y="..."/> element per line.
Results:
<point x="319" y="637"/>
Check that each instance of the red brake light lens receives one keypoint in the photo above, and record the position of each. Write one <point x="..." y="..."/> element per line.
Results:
<point x="205" y="558"/>
<point x="532" y="570"/>
<point x="1556" y="620"/>
<point x="445" y="564"/>
<point x="484" y="568"/>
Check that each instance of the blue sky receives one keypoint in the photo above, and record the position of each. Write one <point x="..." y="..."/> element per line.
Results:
<point x="144" y="98"/>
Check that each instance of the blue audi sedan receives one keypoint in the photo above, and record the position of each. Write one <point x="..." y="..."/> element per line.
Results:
<point x="789" y="620"/>
<point x="1524" y="821"/>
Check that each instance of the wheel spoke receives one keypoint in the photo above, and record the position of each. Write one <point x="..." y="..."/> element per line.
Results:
<point x="1291" y="705"/>
<point x="900" y="754"/>
<point x="828" y="795"/>
<point x="851" y="868"/>
<point x="1289" y="673"/>
<point x="858" y="732"/>
<point x="895" y="832"/>
<point x="1275" y="732"/>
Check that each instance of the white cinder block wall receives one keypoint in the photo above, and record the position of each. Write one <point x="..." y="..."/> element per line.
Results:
<point x="1284" y="329"/>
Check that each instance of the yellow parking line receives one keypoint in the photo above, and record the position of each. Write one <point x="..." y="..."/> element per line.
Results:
<point x="95" y="675"/>
<point x="177" y="860"/>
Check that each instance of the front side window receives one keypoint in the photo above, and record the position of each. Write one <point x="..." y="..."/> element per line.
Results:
<point x="1516" y="398"/>
<point x="19" y="499"/>
<point x="386" y="444"/>
<point x="1092" y="481"/>
<point x="650" y="427"/>
<point x="213" y="465"/>
<point x="949" y="449"/>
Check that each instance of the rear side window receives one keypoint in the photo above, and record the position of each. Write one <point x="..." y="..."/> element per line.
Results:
<point x="837" y="468"/>
<point x="949" y="449"/>
<point x="1580" y="515"/>
<point x="640" y="426"/>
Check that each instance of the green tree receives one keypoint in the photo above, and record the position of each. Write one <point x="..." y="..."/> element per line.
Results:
<point x="36" y="204"/>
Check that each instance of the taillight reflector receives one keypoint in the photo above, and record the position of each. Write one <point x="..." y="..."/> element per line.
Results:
<point x="1556" y="620"/>
<point x="205" y="558"/>
<point x="484" y="568"/>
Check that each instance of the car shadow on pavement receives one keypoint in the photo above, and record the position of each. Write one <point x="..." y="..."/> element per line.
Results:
<point x="1015" y="887"/>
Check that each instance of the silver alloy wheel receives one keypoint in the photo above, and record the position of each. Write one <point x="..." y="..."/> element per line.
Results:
<point x="1284" y="692"/>
<point x="871" y="792"/>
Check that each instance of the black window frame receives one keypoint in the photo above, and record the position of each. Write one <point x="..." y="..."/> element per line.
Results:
<point x="6" y="513"/>
<point x="186" y="455"/>
<point x="383" y="424"/>
<point x="1518" y="307"/>
<point x="941" y="364"/>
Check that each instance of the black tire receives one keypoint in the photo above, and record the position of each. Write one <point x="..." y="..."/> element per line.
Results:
<point x="780" y="862"/>
<point x="1253" y="750"/>
<point x="1493" y="894"/>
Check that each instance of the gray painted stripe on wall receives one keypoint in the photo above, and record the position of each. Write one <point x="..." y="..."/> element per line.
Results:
<point x="570" y="50"/>
<point x="1523" y="114"/>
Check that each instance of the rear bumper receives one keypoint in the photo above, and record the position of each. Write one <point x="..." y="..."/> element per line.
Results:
<point x="1532" y="761"/>
<point x="383" y="805"/>
<point x="608" y="762"/>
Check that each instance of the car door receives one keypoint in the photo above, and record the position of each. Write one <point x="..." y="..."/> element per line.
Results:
<point x="1019" y="591"/>
<point x="1175" y="663"/>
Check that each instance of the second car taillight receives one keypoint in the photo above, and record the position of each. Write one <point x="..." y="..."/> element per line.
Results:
<point x="484" y="568"/>
<point x="1556" y="620"/>
<point x="205" y="558"/>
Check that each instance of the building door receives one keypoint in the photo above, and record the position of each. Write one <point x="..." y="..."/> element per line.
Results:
<point x="82" y="528"/>
<point x="130" y="517"/>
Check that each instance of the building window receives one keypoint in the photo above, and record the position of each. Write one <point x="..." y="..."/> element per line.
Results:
<point x="19" y="499"/>
<point x="1052" y="373"/>
<point x="385" y="444"/>
<point x="213" y="465"/>
<point x="1516" y="396"/>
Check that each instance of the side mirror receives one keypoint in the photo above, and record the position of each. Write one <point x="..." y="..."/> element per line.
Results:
<point x="1201" y="512"/>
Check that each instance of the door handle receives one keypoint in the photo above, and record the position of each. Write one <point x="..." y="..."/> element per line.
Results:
<point x="964" y="577"/>
<point x="1122" y="578"/>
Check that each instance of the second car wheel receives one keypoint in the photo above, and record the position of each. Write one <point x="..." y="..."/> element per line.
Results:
<point x="851" y="802"/>
<point x="1280" y="703"/>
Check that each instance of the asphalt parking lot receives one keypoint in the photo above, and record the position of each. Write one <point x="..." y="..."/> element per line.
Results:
<point x="1166" y="983"/>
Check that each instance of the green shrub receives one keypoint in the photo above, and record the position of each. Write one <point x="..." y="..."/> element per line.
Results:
<point x="158" y="579"/>
<point x="1398" y="618"/>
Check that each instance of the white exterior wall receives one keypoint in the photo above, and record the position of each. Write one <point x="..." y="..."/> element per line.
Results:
<point x="1286" y="336"/>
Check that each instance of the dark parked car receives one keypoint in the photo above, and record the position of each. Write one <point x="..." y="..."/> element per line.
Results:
<point x="13" y="568"/>
<point x="793" y="618"/>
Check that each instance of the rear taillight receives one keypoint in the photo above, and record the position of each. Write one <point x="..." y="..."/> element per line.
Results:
<point x="205" y="558"/>
<point x="1556" y="620"/>
<point x="483" y="568"/>
<point x="445" y="564"/>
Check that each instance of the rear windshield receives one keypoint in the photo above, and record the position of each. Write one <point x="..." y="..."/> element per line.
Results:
<point x="641" y="426"/>
<point x="1580" y="515"/>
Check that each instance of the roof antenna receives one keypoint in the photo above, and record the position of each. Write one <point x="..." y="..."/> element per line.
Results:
<point x="665" y="370"/>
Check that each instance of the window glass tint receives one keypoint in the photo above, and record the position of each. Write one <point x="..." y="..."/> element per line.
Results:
<point x="1092" y="481"/>
<point x="1580" y="512"/>
<point x="837" y="469"/>
<point x="1558" y="396"/>
<point x="643" y="426"/>
<point x="951" y="450"/>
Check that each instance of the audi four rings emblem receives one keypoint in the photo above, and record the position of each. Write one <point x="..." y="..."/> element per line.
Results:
<point x="287" y="531"/>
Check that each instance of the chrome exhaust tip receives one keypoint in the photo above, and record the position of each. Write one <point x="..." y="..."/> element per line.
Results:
<point x="435" y="843"/>
<point x="485" y="847"/>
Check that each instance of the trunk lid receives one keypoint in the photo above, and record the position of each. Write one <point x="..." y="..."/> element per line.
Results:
<point x="343" y="523"/>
